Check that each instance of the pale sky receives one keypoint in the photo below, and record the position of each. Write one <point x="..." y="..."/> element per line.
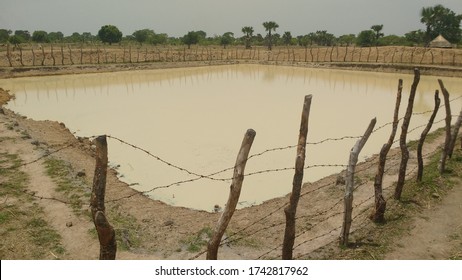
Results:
<point x="177" y="17"/>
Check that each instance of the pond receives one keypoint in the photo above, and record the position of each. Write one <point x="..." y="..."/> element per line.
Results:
<point x="195" y="118"/>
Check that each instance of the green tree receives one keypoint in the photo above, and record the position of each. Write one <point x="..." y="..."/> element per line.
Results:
<point x="75" y="37"/>
<point x="347" y="39"/>
<point x="110" y="34"/>
<point x="16" y="40"/>
<point x="270" y="26"/>
<point x="226" y="39"/>
<point x="441" y="20"/>
<point x="4" y="35"/>
<point x="366" y="38"/>
<point x="23" y="35"/>
<point x="416" y="37"/>
<point x="287" y="38"/>
<point x="323" y="38"/>
<point x="378" y="34"/>
<point x="303" y="40"/>
<point x="55" y="36"/>
<point x="191" y="38"/>
<point x="40" y="36"/>
<point x="393" y="40"/>
<point x="143" y="35"/>
<point x="158" y="39"/>
<point x="248" y="33"/>
<point x="202" y="34"/>
<point x="87" y="37"/>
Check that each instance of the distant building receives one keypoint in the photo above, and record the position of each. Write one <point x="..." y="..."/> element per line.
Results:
<point x="440" y="42"/>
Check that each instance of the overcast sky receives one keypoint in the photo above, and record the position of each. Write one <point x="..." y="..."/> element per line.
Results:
<point x="177" y="17"/>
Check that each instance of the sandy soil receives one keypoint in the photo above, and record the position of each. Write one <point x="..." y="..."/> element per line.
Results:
<point x="159" y="231"/>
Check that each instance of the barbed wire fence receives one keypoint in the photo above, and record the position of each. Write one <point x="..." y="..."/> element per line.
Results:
<point x="260" y="224"/>
<point x="32" y="55"/>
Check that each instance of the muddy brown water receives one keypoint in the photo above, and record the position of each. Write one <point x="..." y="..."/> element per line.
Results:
<point x="195" y="118"/>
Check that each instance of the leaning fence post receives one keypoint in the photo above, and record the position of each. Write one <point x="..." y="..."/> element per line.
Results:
<point x="291" y="210"/>
<point x="402" y="138"/>
<point x="350" y="173"/>
<point x="424" y="135"/>
<point x="454" y="134"/>
<point x="447" y="142"/>
<point x="106" y="233"/>
<point x="234" y="193"/>
<point x="380" y="203"/>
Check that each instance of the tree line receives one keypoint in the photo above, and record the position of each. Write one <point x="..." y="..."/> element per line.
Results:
<point x="437" y="19"/>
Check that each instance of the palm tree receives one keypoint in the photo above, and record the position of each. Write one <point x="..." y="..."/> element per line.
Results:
<point x="287" y="38"/>
<point x="426" y="17"/>
<point x="270" y="26"/>
<point x="377" y="28"/>
<point x="248" y="31"/>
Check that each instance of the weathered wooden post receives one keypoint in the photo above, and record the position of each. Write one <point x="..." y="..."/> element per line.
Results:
<point x="402" y="139"/>
<point x="454" y="134"/>
<point x="380" y="203"/>
<point x="349" y="187"/>
<point x="106" y="233"/>
<point x="234" y="193"/>
<point x="291" y="210"/>
<point x="424" y="135"/>
<point x="81" y="53"/>
<point x="43" y="55"/>
<point x="20" y="56"/>
<point x="53" y="55"/>
<point x="33" y="54"/>
<point x="8" y="54"/>
<point x="70" y="54"/>
<point x="447" y="142"/>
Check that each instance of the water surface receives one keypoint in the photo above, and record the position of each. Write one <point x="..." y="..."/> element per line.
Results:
<point x="195" y="118"/>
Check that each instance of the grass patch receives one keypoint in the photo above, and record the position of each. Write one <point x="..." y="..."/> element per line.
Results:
<point x="126" y="228"/>
<point x="240" y="239"/>
<point x="73" y="188"/>
<point x="25" y="233"/>
<point x="374" y="241"/>
<point x="196" y="242"/>
<point x="43" y="236"/>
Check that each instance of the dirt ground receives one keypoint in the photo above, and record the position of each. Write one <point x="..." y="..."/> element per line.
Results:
<point x="53" y="160"/>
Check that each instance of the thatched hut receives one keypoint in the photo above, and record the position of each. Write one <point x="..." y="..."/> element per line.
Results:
<point x="440" y="42"/>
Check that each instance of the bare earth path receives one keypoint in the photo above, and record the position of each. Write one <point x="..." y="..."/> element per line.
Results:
<point x="436" y="233"/>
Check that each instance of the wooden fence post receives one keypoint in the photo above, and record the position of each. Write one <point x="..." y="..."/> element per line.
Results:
<point x="454" y="134"/>
<point x="234" y="193"/>
<point x="346" y="53"/>
<point x="70" y="54"/>
<point x="402" y="139"/>
<point x="424" y="135"/>
<point x="20" y="56"/>
<point x="291" y="210"/>
<point x="380" y="203"/>
<point x="53" y="55"/>
<point x="8" y="54"/>
<point x="106" y="233"/>
<point x="33" y="54"/>
<point x="81" y="53"/>
<point x="62" y="54"/>
<point x="447" y="142"/>
<point x="349" y="187"/>
<point x="43" y="55"/>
